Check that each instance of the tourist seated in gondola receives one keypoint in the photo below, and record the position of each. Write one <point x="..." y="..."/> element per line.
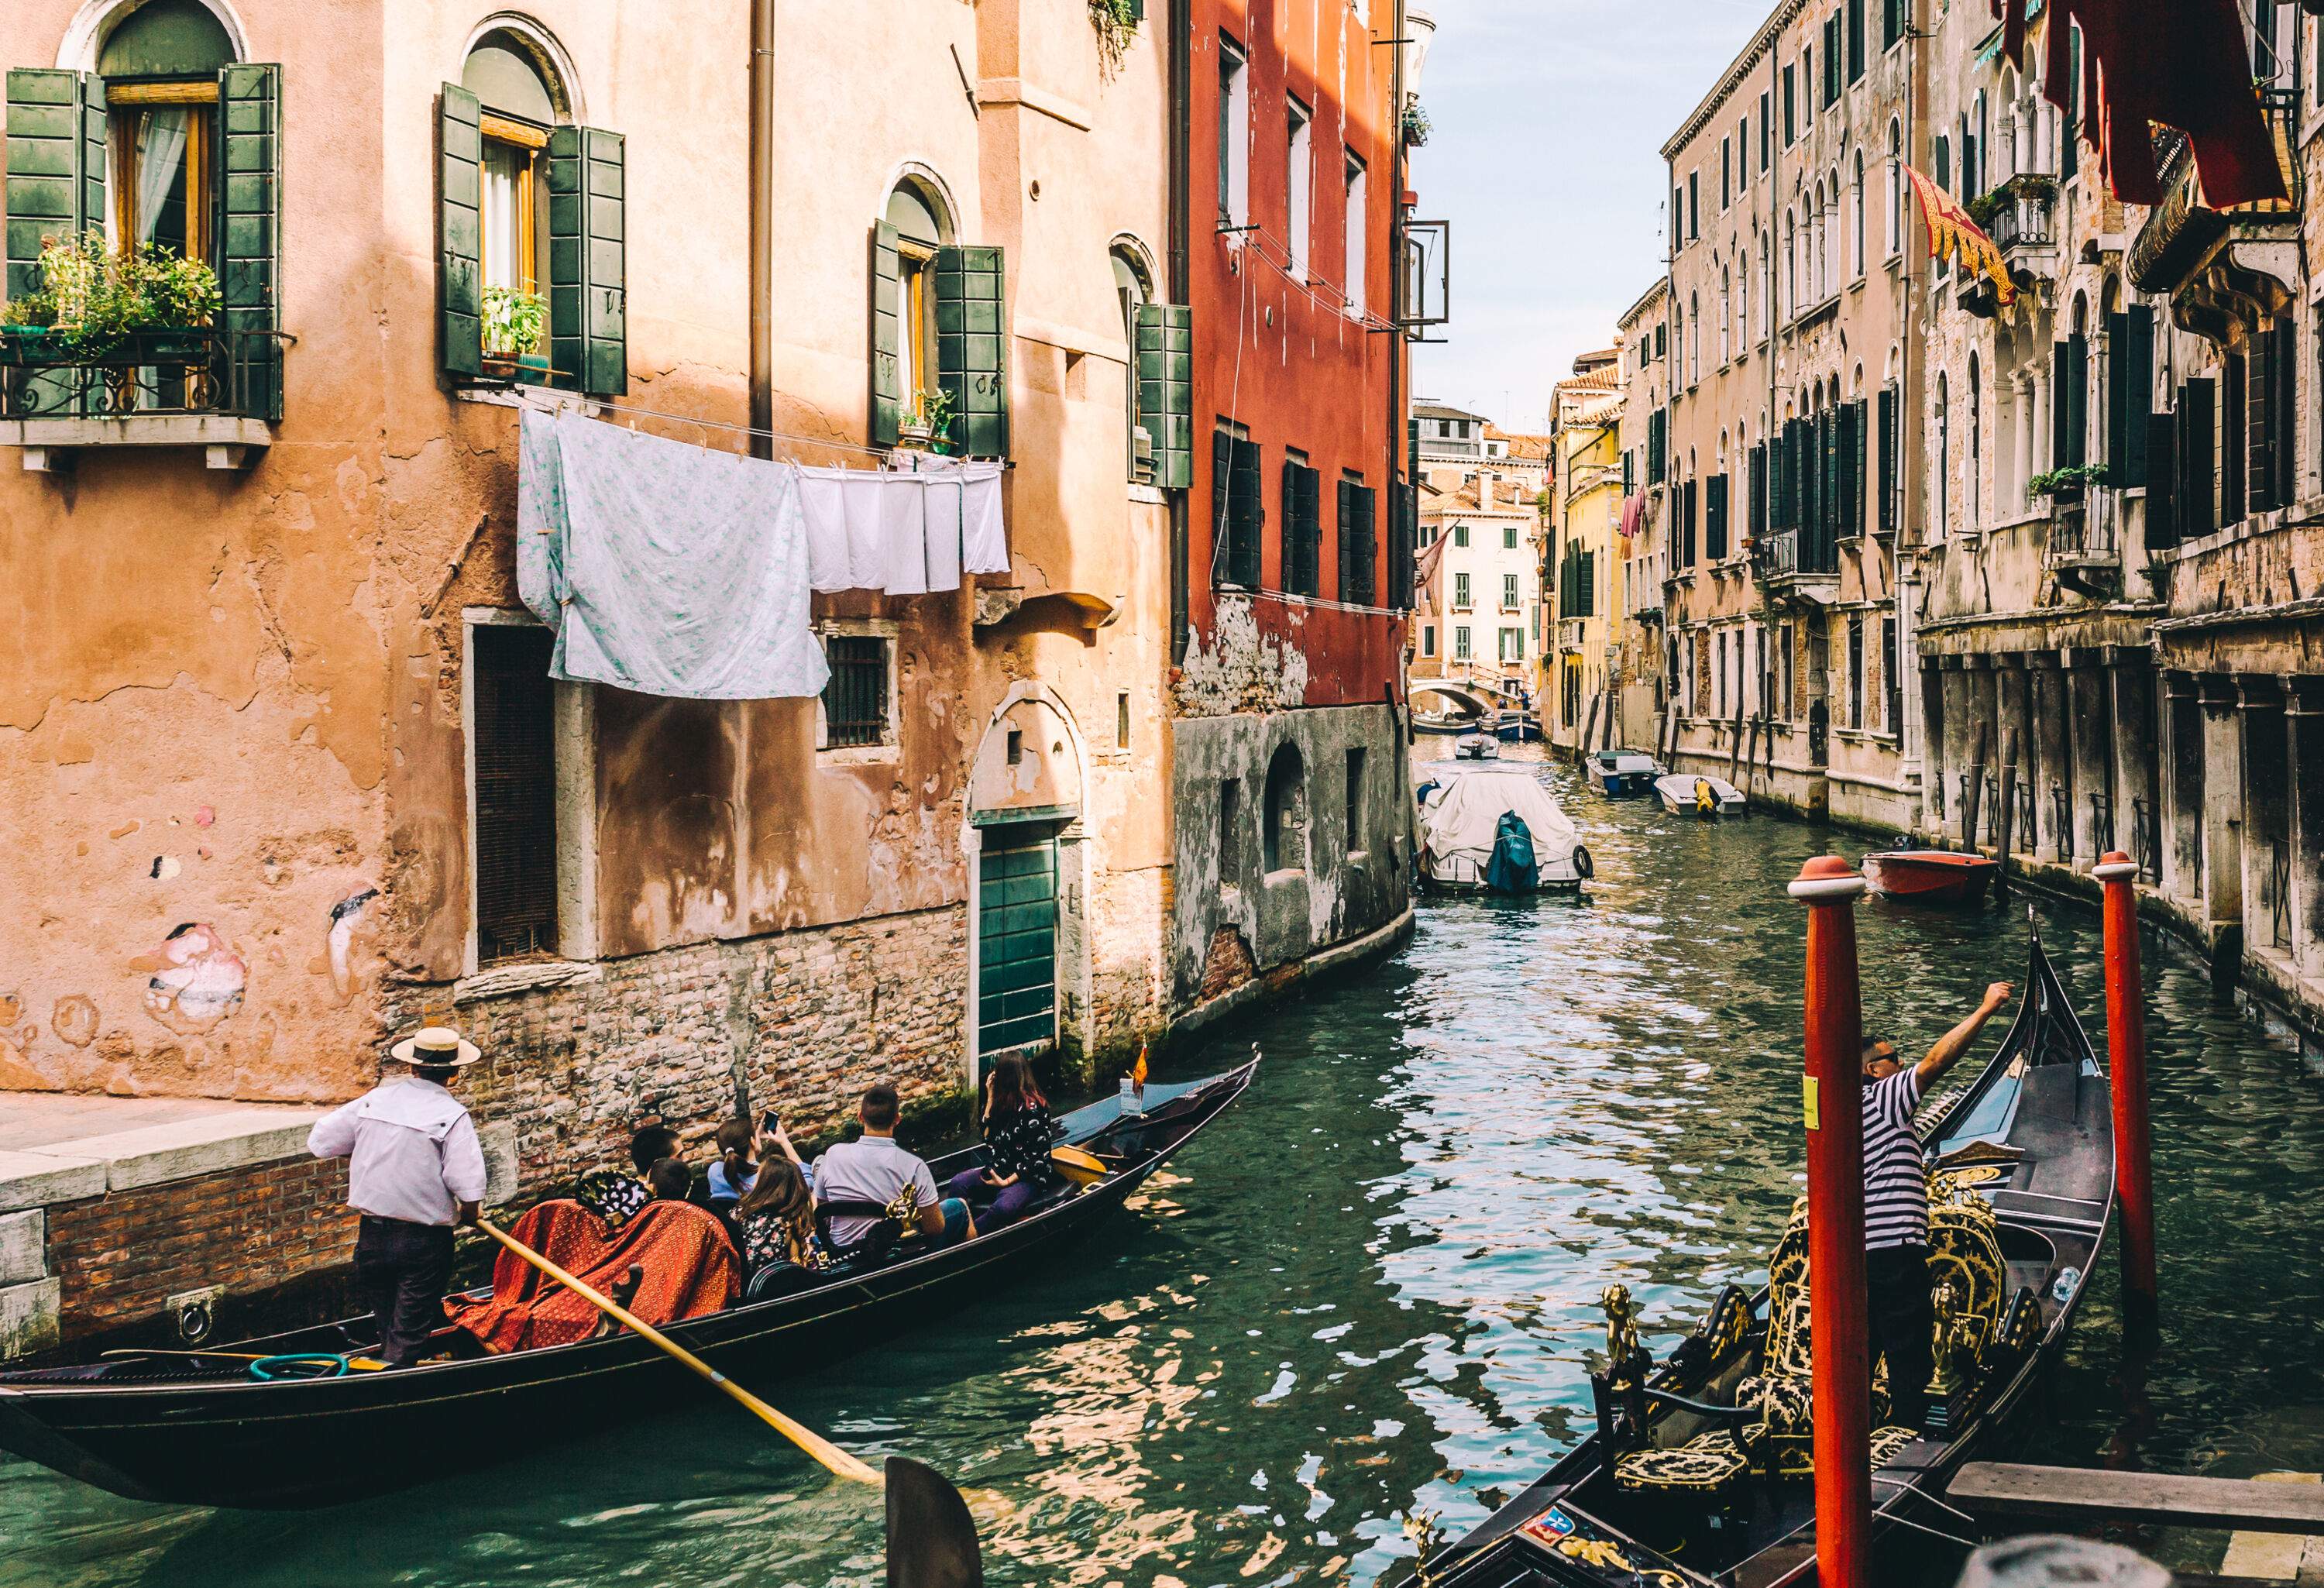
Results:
<point x="774" y="1225"/>
<point x="670" y="1180"/>
<point x="1019" y="1129"/>
<point x="872" y="1191"/>
<point x="731" y="1174"/>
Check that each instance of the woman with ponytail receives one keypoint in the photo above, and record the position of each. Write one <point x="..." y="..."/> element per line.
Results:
<point x="736" y="1169"/>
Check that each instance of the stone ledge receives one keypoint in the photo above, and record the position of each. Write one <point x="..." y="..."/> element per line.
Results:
<point x="507" y="980"/>
<point x="23" y="1247"/>
<point x="184" y="1148"/>
<point x="35" y="1179"/>
<point x="28" y="1318"/>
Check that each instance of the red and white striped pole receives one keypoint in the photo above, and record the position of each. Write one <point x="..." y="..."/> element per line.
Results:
<point x="2134" y="1140"/>
<point x="1833" y="1096"/>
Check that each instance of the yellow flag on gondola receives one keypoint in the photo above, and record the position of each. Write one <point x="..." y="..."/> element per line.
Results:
<point x="1137" y="1071"/>
<point x="1953" y="236"/>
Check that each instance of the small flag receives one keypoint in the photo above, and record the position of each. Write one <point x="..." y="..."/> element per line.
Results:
<point x="1137" y="1071"/>
<point x="1953" y="236"/>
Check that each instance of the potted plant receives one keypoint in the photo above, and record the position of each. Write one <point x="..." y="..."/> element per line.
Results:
<point x="1417" y="125"/>
<point x="92" y="300"/>
<point x="1116" y="22"/>
<point x="2064" y="485"/>
<point x="936" y="414"/>
<point x="514" y="324"/>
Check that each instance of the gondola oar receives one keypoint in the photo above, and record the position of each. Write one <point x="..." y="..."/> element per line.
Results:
<point x="798" y="1433"/>
<point x="931" y="1538"/>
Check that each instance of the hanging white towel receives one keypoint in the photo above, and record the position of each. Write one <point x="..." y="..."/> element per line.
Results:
<point x="665" y="567"/>
<point x="984" y="536"/>
<point x="823" y="503"/>
<point x="905" y="531"/>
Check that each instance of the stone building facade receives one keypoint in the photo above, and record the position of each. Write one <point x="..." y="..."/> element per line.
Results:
<point x="1579" y="659"/>
<point x="1643" y="337"/>
<point x="1792" y="346"/>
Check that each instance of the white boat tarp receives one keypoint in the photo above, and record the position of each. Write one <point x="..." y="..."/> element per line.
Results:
<point x="1462" y="817"/>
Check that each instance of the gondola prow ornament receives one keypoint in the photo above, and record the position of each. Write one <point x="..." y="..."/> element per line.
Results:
<point x="1618" y="1381"/>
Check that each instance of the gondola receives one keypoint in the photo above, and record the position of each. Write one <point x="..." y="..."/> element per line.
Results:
<point x="202" y="1431"/>
<point x="1701" y="1470"/>
<point x="1928" y="876"/>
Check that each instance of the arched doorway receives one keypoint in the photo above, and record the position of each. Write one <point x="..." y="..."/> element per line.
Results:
<point x="1027" y="949"/>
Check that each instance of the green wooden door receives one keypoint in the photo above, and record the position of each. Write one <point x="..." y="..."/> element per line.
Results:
<point x="1016" y="938"/>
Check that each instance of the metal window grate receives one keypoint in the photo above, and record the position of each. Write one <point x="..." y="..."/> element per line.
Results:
<point x="516" y="792"/>
<point x="855" y="699"/>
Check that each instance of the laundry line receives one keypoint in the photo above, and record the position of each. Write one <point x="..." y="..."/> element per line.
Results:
<point x="886" y="454"/>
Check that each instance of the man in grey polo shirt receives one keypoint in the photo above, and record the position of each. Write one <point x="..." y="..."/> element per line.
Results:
<point x="867" y="1174"/>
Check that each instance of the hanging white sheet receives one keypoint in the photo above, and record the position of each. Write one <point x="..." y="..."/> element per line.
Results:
<point x="664" y="568"/>
<point x="905" y="532"/>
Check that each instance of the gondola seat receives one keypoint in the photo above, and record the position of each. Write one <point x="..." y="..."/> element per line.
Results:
<point x="1710" y="1467"/>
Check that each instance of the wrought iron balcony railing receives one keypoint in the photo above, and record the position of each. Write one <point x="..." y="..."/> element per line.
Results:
<point x="199" y="371"/>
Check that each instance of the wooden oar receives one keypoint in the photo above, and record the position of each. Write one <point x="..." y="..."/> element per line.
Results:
<point x="799" y="1433"/>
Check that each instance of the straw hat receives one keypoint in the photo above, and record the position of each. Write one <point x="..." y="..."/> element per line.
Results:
<point x="436" y="1047"/>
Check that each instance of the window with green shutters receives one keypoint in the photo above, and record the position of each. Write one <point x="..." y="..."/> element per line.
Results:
<point x="56" y="188"/>
<point x="1359" y="553"/>
<point x="1714" y="518"/>
<point x="972" y="365"/>
<point x="459" y="232"/>
<point x="1404" y="549"/>
<point x="1166" y="389"/>
<point x="250" y="221"/>
<point x="1303" y="534"/>
<point x="588" y="261"/>
<point x="1238" y="516"/>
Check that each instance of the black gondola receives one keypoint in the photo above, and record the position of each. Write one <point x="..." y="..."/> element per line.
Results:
<point x="203" y="1432"/>
<point x="1668" y="1494"/>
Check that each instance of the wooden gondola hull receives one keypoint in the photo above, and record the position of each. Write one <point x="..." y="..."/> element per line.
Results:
<point x="289" y="1445"/>
<point x="1928" y="876"/>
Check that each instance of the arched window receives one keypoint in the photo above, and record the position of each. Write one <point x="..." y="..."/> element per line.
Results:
<point x="517" y="88"/>
<point x="1791" y="263"/>
<point x="1894" y="239"/>
<point x="920" y="226"/>
<point x="161" y="66"/>
<point x="1283" y="830"/>
<point x="1726" y="311"/>
<point x="1976" y="480"/>
<point x="1133" y="288"/>
<point x="1767" y="280"/>
<point x="1855" y="216"/>
<point x="1944" y="444"/>
<point x="1694" y="339"/>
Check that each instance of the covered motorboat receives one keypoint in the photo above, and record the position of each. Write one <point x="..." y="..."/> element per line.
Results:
<point x="1621" y="774"/>
<point x="203" y="1427"/>
<point x="1462" y="831"/>
<point x="1701" y="1470"/>
<point x="1477" y="746"/>
<point x="1699" y="794"/>
<point x="1929" y="876"/>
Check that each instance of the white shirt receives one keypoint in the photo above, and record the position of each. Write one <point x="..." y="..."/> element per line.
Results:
<point x="413" y="1151"/>
<point x="872" y="1169"/>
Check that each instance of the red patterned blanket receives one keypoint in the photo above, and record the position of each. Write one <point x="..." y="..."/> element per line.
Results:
<point x="690" y="1269"/>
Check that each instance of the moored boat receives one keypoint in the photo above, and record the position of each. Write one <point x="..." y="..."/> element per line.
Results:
<point x="1700" y="1471"/>
<point x="202" y="1430"/>
<point x="1441" y="722"/>
<point x="1929" y="876"/>
<point x="1621" y="774"/>
<point x="1464" y="831"/>
<point x="1518" y="726"/>
<point x="1477" y="747"/>
<point x="1699" y="794"/>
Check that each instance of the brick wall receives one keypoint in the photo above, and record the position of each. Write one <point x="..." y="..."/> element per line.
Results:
<point x="121" y="1256"/>
<point x="812" y="1016"/>
<point x="1228" y="965"/>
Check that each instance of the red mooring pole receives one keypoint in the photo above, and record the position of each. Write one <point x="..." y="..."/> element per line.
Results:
<point x="1833" y="1096"/>
<point x="2134" y="1140"/>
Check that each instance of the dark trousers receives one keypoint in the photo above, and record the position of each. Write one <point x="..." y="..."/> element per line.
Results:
<point x="1903" y="1324"/>
<point x="401" y="1271"/>
<point x="1007" y="1202"/>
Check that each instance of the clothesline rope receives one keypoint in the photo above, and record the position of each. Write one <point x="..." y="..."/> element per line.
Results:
<point x="886" y="454"/>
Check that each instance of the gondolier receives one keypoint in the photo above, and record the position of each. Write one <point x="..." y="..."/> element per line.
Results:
<point x="415" y="1171"/>
<point x="1896" y="1208"/>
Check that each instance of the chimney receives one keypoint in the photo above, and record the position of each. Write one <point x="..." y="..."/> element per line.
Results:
<point x="1485" y="489"/>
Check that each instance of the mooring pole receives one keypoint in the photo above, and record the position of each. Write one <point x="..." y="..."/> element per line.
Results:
<point x="1833" y="1096"/>
<point x="2134" y="1140"/>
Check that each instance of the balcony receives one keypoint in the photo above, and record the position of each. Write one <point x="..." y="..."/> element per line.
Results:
<point x="2025" y="217"/>
<point x="2085" y="549"/>
<point x="1572" y="633"/>
<point x="215" y="389"/>
<point x="1801" y="564"/>
<point x="2240" y="247"/>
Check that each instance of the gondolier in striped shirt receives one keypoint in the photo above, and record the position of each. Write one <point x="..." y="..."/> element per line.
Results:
<point x="1896" y="1208"/>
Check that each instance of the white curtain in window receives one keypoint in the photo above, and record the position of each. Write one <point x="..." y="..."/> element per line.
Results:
<point x="501" y="168"/>
<point x="161" y="162"/>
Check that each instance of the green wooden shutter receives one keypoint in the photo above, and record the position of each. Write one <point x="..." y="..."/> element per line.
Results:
<point x="2161" y="454"/>
<point x="1858" y="444"/>
<point x="1166" y="388"/>
<point x="56" y="165"/>
<point x="588" y="265"/>
<point x="2117" y="373"/>
<point x="886" y="336"/>
<point x="250" y="228"/>
<point x="459" y="232"/>
<point x="2078" y="392"/>
<point x="1017" y="922"/>
<point x="972" y="358"/>
<point x="1886" y="518"/>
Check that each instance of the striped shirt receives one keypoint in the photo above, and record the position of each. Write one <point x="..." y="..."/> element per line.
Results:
<point x="1896" y="1179"/>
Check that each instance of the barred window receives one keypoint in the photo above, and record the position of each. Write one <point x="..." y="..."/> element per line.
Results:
<point x="513" y="744"/>
<point x="856" y="700"/>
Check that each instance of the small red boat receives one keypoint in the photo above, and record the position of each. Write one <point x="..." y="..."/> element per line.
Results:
<point x="1928" y="876"/>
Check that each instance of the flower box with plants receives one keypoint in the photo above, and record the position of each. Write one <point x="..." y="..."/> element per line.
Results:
<point x="928" y="427"/>
<point x="99" y="305"/>
<point x="515" y="328"/>
<point x="1415" y="122"/>
<point x="2064" y="485"/>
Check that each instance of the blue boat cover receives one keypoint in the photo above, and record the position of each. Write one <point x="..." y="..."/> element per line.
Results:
<point x="1512" y="869"/>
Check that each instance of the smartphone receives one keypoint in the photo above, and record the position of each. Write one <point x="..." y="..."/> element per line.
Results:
<point x="769" y="1121"/>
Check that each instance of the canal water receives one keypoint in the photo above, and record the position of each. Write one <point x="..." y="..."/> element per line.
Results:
<point x="1365" y="1289"/>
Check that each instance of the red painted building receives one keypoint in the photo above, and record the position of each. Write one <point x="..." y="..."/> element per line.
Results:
<point x="1292" y="580"/>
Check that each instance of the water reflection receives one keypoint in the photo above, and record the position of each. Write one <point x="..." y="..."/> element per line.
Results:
<point x="1365" y="1288"/>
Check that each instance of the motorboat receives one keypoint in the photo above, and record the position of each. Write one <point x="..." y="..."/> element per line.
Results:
<point x="1477" y="747"/>
<point x="1465" y="823"/>
<point x="1621" y="774"/>
<point x="1701" y="1471"/>
<point x="1929" y="876"/>
<point x="1518" y="724"/>
<point x="1699" y="794"/>
<point x="1446" y="722"/>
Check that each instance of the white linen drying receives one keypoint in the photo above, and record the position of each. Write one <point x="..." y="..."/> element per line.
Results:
<point x="904" y="532"/>
<point x="664" y="568"/>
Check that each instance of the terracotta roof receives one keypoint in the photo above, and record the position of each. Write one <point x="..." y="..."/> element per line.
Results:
<point x="1521" y="444"/>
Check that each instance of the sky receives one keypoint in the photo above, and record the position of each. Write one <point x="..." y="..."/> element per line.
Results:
<point x="1548" y="119"/>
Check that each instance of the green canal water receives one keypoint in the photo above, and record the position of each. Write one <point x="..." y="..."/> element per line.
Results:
<point x="1364" y="1290"/>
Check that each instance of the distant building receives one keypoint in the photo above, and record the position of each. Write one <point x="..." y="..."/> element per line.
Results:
<point x="1579" y="553"/>
<point x="1641" y="690"/>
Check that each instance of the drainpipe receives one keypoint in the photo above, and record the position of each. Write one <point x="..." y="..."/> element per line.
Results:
<point x="762" y="226"/>
<point x="1181" y="77"/>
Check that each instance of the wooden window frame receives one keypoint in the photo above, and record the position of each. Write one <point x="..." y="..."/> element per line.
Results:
<point x="125" y="102"/>
<point x="915" y="269"/>
<point x="533" y="140"/>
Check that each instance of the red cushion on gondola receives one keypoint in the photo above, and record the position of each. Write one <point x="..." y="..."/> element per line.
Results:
<point x="690" y="1269"/>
